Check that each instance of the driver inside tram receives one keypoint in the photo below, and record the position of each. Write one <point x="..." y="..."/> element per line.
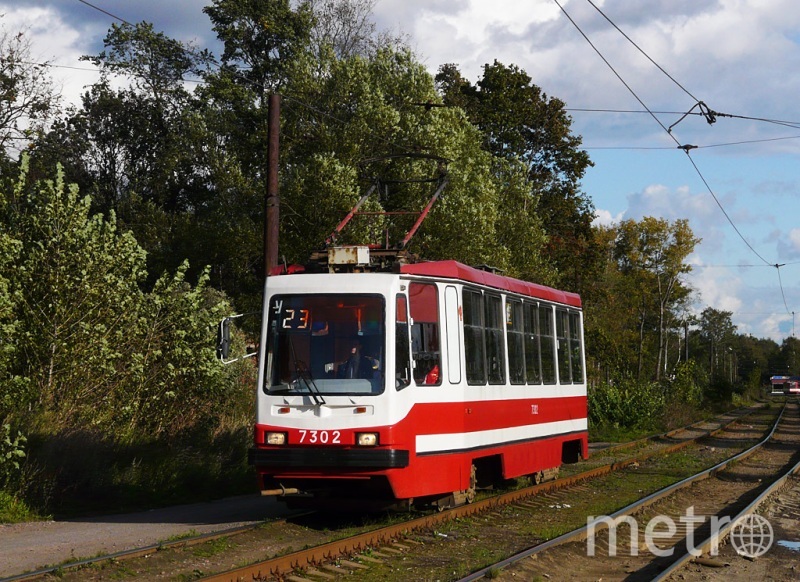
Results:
<point x="357" y="365"/>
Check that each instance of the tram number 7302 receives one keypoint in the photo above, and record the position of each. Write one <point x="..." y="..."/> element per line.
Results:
<point x="320" y="437"/>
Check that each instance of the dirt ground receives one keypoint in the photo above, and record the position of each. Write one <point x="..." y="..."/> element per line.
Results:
<point x="26" y="547"/>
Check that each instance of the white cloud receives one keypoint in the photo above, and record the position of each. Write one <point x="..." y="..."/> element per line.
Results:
<point x="54" y="41"/>
<point x="605" y="218"/>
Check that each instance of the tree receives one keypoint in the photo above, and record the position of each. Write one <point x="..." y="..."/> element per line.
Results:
<point x="653" y="252"/>
<point x="346" y="27"/>
<point x="519" y="122"/>
<point x="27" y="97"/>
<point x="717" y="331"/>
<point x="12" y="385"/>
<point x="95" y="348"/>
<point x="379" y="123"/>
<point x="78" y="285"/>
<point x="262" y="41"/>
<point x="156" y="65"/>
<point x="144" y="151"/>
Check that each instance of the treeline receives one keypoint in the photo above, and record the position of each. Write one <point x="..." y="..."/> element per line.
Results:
<point x="133" y="222"/>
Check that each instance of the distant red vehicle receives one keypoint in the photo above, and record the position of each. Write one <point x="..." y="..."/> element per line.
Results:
<point x="786" y="385"/>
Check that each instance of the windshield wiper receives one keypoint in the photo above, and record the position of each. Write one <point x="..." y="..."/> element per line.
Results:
<point x="304" y="375"/>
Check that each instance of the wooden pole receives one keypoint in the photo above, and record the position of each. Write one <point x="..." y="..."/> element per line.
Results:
<point x="272" y="200"/>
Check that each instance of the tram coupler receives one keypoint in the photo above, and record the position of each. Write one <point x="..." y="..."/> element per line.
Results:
<point x="279" y="492"/>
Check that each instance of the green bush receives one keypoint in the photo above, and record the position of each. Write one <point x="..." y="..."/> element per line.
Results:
<point x="116" y="386"/>
<point x="627" y="404"/>
<point x="686" y="384"/>
<point x="12" y="451"/>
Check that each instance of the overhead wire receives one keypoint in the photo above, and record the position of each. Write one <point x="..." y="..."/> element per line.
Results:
<point x="794" y="124"/>
<point x="709" y="114"/>
<point x="106" y="12"/>
<point x="659" y="67"/>
<point x="699" y="147"/>
<point x="685" y="147"/>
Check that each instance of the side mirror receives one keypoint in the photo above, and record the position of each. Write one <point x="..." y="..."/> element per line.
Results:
<point x="224" y="339"/>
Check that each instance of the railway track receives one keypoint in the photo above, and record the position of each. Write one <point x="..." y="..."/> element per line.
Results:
<point x="680" y="527"/>
<point x="782" y="509"/>
<point x="376" y="548"/>
<point x="383" y="543"/>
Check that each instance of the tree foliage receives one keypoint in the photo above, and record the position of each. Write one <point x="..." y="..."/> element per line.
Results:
<point x="28" y="99"/>
<point x="519" y="122"/>
<point x="641" y="295"/>
<point x="96" y="348"/>
<point x="162" y="182"/>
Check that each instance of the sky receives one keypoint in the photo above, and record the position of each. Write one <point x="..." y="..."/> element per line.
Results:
<point x="739" y="188"/>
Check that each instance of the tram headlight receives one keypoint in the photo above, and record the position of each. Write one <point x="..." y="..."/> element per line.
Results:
<point x="275" y="438"/>
<point x="366" y="439"/>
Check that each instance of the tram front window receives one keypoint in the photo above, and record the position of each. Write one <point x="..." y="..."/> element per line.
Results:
<point x="325" y="344"/>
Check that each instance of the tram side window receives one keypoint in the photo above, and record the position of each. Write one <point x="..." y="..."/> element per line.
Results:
<point x="495" y="351"/>
<point x="547" y="343"/>
<point x="533" y="365"/>
<point x="474" y="349"/>
<point x="402" y="371"/>
<point x="576" y="349"/>
<point x="425" y="344"/>
<point x="516" y="342"/>
<point x="562" y="335"/>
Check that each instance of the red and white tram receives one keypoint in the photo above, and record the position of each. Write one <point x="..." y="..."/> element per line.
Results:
<point x="415" y="386"/>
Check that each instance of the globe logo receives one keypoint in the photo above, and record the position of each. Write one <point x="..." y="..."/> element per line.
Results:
<point x="751" y="536"/>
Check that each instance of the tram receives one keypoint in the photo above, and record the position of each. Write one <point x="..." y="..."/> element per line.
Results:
<point x="385" y="381"/>
<point x="786" y="385"/>
<point x="417" y="386"/>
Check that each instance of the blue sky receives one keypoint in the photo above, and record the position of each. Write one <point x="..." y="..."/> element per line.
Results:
<point x="739" y="57"/>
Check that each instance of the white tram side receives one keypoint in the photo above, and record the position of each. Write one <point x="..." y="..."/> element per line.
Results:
<point x="415" y="387"/>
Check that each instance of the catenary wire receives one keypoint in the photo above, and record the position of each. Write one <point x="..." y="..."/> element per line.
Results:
<point x="685" y="147"/>
<point x="668" y="130"/>
<point x="659" y="67"/>
<point x="90" y="5"/>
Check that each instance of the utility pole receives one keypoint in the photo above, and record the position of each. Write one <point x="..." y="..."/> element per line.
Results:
<point x="272" y="200"/>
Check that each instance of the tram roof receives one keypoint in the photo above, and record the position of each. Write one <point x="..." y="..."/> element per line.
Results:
<point x="461" y="272"/>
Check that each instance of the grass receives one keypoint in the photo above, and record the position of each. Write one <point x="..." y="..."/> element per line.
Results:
<point x="182" y="536"/>
<point x="13" y="510"/>
<point x="81" y="473"/>
<point x="212" y="548"/>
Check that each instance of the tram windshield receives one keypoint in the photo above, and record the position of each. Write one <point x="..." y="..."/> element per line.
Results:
<point x="325" y="344"/>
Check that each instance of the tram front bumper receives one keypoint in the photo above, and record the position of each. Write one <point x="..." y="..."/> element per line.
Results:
<point x="307" y="458"/>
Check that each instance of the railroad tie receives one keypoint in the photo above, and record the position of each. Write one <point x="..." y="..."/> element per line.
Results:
<point x="318" y="574"/>
<point x="353" y="565"/>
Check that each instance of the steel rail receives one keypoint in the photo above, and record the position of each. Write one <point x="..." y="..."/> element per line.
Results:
<point x="311" y="557"/>
<point x="725" y="530"/>
<point x="582" y="532"/>
<point x="744" y="411"/>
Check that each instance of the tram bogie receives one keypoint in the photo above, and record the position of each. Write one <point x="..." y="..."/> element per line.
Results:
<point x="415" y="387"/>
